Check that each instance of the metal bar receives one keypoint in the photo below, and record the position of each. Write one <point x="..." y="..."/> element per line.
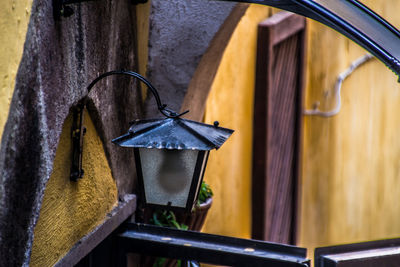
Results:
<point x="61" y="8"/>
<point x="77" y="133"/>
<point x="364" y="27"/>
<point x="366" y="254"/>
<point x="68" y="2"/>
<point x="207" y="248"/>
<point x="136" y="2"/>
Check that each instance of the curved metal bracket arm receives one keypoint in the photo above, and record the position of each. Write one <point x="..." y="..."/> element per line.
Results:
<point x="161" y="107"/>
<point x="352" y="19"/>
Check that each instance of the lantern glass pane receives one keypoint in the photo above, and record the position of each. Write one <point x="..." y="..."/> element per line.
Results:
<point x="365" y="23"/>
<point x="167" y="175"/>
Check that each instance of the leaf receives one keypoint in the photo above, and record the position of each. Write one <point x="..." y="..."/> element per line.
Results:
<point x="173" y="216"/>
<point x="176" y="224"/>
<point x="159" y="262"/>
<point x="156" y="221"/>
<point x="205" y="192"/>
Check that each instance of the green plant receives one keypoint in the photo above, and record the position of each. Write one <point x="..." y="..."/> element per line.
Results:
<point x="167" y="218"/>
<point x="204" y="193"/>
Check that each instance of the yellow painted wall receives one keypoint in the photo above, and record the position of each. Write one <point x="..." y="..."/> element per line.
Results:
<point x="14" y="18"/>
<point x="351" y="168"/>
<point x="142" y="21"/>
<point x="350" y="171"/>
<point x="70" y="210"/>
<point x="142" y="26"/>
<point x="231" y="103"/>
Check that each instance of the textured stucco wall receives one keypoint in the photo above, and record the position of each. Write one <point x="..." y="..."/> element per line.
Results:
<point x="14" y="18"/>
<point x="59" y="60"/>
<point x="231" y="103"/>
<point x="180" y="32"/>
<point x="70" y="210"/>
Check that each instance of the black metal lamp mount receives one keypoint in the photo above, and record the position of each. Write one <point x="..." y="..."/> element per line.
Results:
<point x="62" y="8"/>
<point x="170" y="154"/>
<point x="78" y="129"/>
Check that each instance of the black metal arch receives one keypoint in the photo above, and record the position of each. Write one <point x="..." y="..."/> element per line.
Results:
<point x="352" y="19"/>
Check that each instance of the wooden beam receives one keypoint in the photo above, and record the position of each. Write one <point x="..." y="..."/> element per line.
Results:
<point x="277" y="127"/>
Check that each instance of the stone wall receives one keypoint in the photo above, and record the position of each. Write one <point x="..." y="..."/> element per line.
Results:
<point x="180" y="33"/>
<point x="60" y="59"/>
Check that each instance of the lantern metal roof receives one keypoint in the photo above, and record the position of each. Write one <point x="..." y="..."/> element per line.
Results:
<point x="174" y="133"/>
<point x="351" y="18"/>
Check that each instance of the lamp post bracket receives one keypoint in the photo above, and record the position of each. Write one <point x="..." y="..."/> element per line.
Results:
<point x="61" y="8"/>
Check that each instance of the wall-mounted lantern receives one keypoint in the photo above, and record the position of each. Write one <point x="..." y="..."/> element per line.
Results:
<point x="171" y="156"/>
<point x="170" y="153"/>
